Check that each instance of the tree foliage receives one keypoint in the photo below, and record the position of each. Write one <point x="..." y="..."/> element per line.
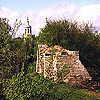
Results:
<point x="15" y="53"/>
<point x="5" y="55"/>
<point x="72" y="36"/>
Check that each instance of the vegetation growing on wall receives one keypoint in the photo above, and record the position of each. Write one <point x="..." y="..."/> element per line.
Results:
<point x="64" y="70"/>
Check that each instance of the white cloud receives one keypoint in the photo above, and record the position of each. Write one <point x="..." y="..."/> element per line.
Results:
<point x="7" y="13"/>
<point x="89" y="13"/>
<point x="62" y="10"/>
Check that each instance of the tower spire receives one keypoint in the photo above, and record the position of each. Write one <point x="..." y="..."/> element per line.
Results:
<point x="28" y="30"/>
<point x="28" y="21"/>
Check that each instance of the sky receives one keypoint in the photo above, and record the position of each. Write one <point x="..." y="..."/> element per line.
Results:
<point x="38" y="10"/>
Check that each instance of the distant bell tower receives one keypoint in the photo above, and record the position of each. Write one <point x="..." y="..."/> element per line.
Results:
<point x="28" y="30"/>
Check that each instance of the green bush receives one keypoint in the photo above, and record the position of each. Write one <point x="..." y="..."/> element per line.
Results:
<point x="31" y="67"/>
<point x="27" y="87"/>
<point x="36" y="87"/>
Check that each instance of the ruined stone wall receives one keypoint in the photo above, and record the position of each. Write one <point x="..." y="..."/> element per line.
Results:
<point x="40" y="62"/>
<point x="50" y="63"/>
<point x="48" y="66"/>
<point x="77" y="70"/>
<point x="40" y="58"/>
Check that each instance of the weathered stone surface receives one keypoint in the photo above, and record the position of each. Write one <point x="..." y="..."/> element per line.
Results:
<point x="51" y="61"/>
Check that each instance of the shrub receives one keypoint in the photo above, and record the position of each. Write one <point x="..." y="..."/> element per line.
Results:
<point x="26" y="87"/>
<point x="36" y="87"/>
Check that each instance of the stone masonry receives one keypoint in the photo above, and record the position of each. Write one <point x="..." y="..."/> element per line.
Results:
<point x="52" y="60"/>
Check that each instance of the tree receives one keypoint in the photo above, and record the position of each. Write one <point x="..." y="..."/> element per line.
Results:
<point x="72" y="36"/>
<point x="5" y="39"/>
<point x="15" y="53"/>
